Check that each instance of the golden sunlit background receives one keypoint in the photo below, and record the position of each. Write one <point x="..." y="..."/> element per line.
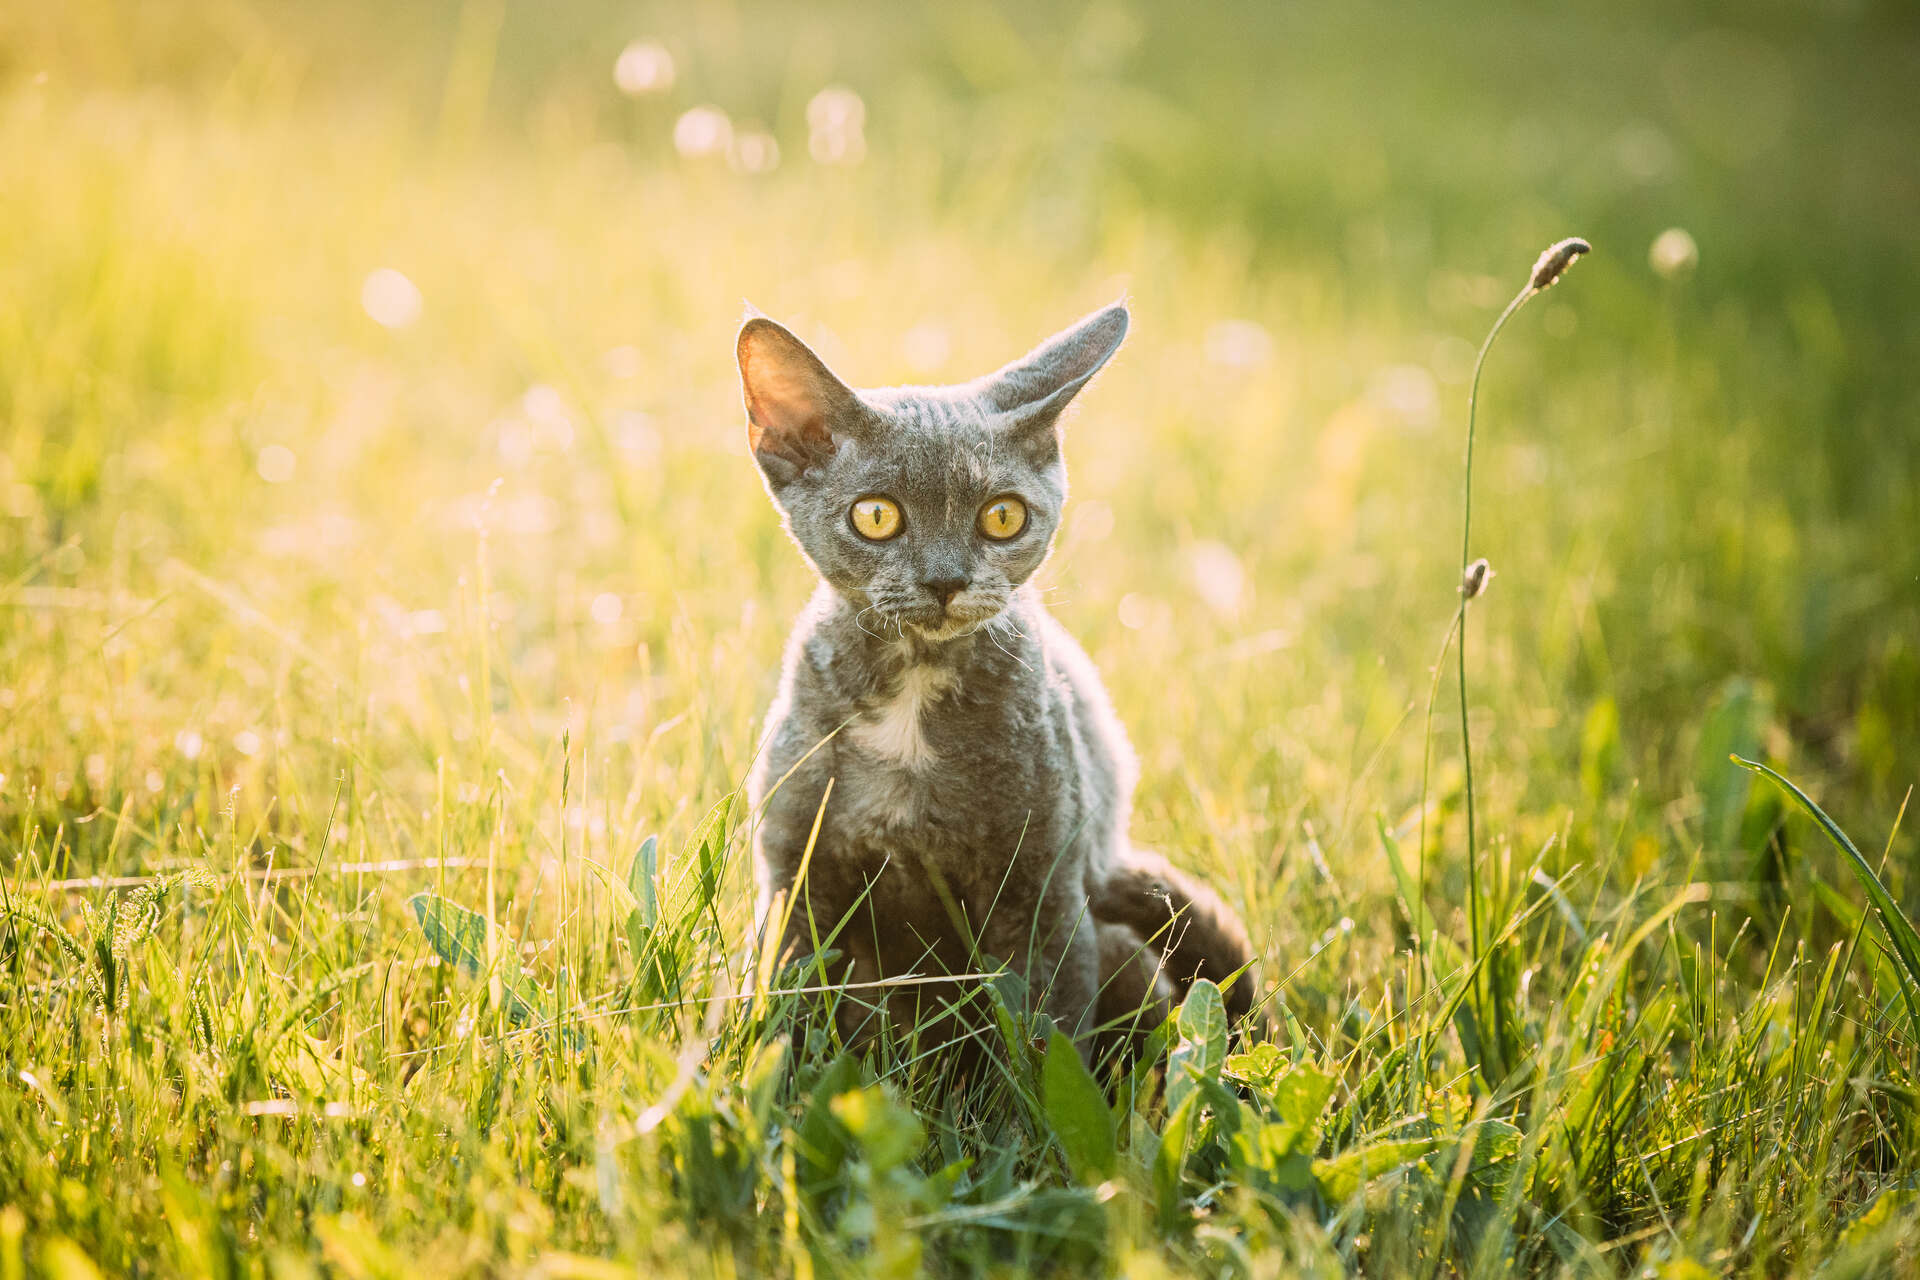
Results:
<point x="374" y="493"/>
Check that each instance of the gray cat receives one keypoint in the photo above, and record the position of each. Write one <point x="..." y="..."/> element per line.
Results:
<point x="980" y="781"/>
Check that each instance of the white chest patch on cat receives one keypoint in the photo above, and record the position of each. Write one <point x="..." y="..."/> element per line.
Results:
<point x="893" y="730"/>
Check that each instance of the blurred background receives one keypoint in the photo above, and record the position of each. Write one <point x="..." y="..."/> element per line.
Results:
<point x="368" y="409"/>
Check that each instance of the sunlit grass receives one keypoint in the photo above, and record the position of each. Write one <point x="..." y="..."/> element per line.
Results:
<point x="375" y="521"/>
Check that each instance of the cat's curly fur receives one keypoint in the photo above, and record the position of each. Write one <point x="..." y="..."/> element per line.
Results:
<point x="981" y="783"/>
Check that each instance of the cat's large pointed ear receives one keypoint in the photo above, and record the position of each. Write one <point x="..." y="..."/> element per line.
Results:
<point x="795" y="406"/>
<point x="1027" y="397"/>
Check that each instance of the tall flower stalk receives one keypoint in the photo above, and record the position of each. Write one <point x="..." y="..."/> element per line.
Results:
<point x="1475" y="574"/>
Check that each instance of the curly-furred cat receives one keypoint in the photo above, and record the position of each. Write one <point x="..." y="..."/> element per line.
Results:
<point x="980" y="782"/>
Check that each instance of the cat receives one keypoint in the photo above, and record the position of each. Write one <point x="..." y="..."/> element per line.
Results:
<point x="980" y="781"/>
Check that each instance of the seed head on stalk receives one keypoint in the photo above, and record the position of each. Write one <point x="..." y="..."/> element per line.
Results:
<point x="1553" y="264"/>
<point x="1474" y="576"/>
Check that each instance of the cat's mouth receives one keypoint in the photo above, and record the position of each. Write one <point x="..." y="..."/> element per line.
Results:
<point x="960" y="618"/>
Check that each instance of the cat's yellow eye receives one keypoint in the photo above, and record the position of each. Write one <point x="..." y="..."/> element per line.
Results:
<point x="875" y="519"/>
<point x="1002" y="518"/>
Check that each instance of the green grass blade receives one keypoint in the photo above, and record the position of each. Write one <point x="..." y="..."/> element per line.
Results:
<point x="1900" y="932"/>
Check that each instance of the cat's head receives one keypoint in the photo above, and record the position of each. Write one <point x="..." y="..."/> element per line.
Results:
<point x="926" y="507"/>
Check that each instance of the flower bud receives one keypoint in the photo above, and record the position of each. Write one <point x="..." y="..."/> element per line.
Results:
<point x="1553" y="264"/>
<point x="1478" y="575"/>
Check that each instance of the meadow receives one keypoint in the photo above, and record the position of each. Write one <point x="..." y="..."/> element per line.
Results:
<point x="388" y="604"/>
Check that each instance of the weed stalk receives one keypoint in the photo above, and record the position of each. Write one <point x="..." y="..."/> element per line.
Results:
<point x="1474" y="576"/>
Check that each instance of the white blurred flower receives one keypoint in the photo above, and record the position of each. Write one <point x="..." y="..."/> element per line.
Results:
<point x="1239" y="344"/>
<point x="516" y="442"/>
<point x="1140" y="612"/>
<point x="1218" y="576"/>
<point x="247" y="742"/>
<point x="836" y="126"/>
<point x="754" y="151"/>
<point x="643" y="67"/>
<point x="543" y="404"/>
<point x="606" y="608"/>
<point x="188" y="743"/>
<point x="702" y="131"/>
<point x="546" y="409"/>
<point x="392" y="300"/>
<point x="1673" y="253"/>
<point x="275" y="464"/>
<point x="1409" y="392"/>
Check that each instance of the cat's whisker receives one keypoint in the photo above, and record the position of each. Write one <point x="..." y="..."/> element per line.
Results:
<point x="863" y="626"/>
<point x="1003" y="648"/>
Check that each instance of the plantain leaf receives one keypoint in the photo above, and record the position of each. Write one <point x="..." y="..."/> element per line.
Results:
<point x="1202" y="1050"/>
<point x="1077" y="1111"/>
<point x="640" y="882"/>
<point x="459" y="937"/>
<point x="709" y="846"/>
<point x="1342" y="1177"/>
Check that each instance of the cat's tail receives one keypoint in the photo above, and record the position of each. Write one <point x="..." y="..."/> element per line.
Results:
<point x="1195" y="933"/>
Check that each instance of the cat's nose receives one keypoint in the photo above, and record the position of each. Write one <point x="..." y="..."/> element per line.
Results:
<point x="944" y="589"/>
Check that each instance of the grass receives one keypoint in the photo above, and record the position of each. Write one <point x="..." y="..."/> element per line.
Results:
<point x="303" y="618"/>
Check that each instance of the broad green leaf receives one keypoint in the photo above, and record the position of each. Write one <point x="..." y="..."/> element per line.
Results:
<point x="1203" y="1022"/>
<point x="624" y="903"/>
<point x="1342" y="1177"/>
<point x="1202" y="1044"/>
<point x="631" y="911"/>
<point x="1299" y="1099"/>
<point x="1893" y="921"/>
<point x="1171" y="1157"/>
<point x="459" y="937"/>
<point x="888" y="1133"/>
<point x="1077" y="1111"/>
<point x="640" y="881"/>
<point x="1202" y="1050"/>
<point x="1260" y="1065"/>
<point x="1495" y="1144"/>
<point x="708" y="847"/>
<point x="820" y="1139"/>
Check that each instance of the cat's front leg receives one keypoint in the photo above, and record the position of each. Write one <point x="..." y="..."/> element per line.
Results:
<point x="1054" y="949"/>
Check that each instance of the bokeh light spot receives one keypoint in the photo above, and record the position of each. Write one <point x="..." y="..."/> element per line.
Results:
<point x="392" y="300"/>
<point x="702" y="131"/>
<point x="643" y="67"/>
<point x="836" y="126"/>
<point x="275" y="464"/>
<point x="1673" y="253"/>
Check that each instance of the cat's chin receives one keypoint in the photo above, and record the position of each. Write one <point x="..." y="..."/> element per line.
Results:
<point x="941" y="630"/>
